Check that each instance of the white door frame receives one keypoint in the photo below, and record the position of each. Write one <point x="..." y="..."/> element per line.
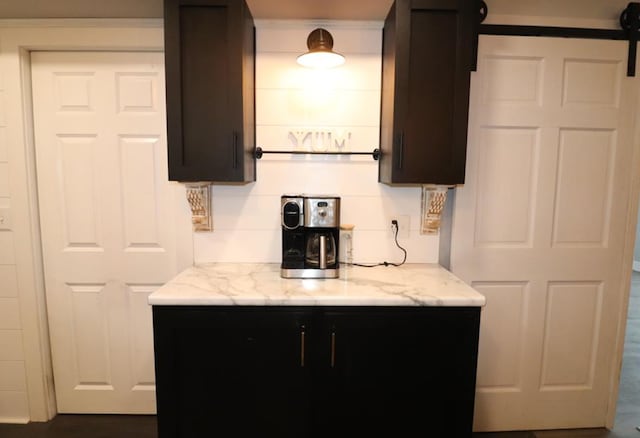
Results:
<point x="627" y="269"/>
<point x="17" y="39"/>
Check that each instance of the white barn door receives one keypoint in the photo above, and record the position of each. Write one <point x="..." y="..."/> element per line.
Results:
<point x="539" y="227"/>
<point x="108" y="221"/>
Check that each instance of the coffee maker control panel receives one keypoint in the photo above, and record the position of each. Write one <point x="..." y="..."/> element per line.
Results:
<point x="322" y="212"/>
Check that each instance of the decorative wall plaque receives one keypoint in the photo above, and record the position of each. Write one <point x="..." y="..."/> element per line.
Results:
<point x="433" y="201"/>
<point x="199" y="197"/>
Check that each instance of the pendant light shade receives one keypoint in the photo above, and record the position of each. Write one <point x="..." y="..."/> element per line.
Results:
<point x="320" y="54"/>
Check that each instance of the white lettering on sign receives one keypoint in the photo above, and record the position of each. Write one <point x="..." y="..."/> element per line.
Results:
<point x="320" y="140"/>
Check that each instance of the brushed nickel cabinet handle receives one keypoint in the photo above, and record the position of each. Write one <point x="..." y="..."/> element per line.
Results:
<point x="235" y="149"/>
<point x="401" y="151"/>
<point x="302" y="342"/>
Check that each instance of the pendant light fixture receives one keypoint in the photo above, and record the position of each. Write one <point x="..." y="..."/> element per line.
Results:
<point x="320" y="54"/>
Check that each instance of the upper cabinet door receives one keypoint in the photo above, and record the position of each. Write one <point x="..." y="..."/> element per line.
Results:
<point x="210" y="75"/>
<point x="427" y="54"/>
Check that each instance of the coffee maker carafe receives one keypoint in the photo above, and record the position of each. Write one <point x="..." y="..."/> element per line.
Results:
<point x="310" y="232"/>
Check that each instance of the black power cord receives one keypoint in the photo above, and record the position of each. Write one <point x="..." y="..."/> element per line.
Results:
<point x="395" y="238"/>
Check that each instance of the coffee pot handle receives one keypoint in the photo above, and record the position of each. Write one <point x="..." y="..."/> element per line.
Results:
<point x="323" y="252"/>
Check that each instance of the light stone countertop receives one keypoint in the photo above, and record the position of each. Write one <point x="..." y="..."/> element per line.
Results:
<point x="252" y="284"/>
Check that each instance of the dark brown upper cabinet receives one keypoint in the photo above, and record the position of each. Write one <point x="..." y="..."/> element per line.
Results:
<point x="210" y="77"/>
<point x="426" y="65"/>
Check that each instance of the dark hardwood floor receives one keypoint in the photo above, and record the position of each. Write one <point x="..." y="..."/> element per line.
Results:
<point x="144" y="426"/>
<point x="85" y="426"/>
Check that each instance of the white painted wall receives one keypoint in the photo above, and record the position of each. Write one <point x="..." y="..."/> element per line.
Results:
<point x="290" y="97"/>
<point x="81" y="9"/>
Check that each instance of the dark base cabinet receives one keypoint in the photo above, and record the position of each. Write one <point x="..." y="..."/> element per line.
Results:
<point x="249" y="372"/>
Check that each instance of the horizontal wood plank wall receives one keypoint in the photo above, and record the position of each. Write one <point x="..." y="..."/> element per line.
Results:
<point x="14" y="406"/>
<point x="341" y="100"/>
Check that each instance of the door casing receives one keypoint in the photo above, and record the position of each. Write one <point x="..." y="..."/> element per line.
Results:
<point x="17" y="39"/>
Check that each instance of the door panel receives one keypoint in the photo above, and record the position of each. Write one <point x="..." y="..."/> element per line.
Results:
<point x="584" y="177"/>
<point x="539" y="228"/>
<point x="108" y="222"/>
<point x="560" y="370"/>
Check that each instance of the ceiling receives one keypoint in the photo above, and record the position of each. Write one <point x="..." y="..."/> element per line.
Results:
<point x="325" y="9"/>
<point x="300" y="9"/>
<point x="377" y="9"/>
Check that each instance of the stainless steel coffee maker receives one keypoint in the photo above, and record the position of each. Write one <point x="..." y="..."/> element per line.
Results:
<point x="310" y="236"/>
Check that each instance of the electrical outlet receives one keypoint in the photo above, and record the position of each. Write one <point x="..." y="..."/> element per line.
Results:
<point x="403" y="225"/>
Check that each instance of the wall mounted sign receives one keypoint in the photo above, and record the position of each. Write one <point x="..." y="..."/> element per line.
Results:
<point x="433" y="200"/>
<point x="199" y="197"/>
<point x="323" y="140"/>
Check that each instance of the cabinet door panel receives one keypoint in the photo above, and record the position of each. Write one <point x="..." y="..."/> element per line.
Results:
<point x="400" y="371"/>
<point x="235" y="372"/>
<point x="209" y="55"/>
<point x="427" y="50"/>
<point x="427" y="151"/>
<point x="204" y="64"/>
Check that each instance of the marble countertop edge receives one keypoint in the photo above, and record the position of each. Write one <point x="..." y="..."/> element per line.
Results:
<point x="260" y="284"/>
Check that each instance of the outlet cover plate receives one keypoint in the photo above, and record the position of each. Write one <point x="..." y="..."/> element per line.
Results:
<point x="404" y="225"/>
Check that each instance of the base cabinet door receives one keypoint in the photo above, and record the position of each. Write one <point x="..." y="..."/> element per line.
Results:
<point x="231" y="373"/>
<point x="402" y="372"/>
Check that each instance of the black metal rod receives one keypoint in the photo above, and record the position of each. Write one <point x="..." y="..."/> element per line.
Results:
<point x="552" y="31"/>
<point x="568" y="32"/>
<point x="316" y="153"/>
<point x="482" y="10"/>
<point x="629" y="21"/>
<point x="632" y="55"/>
<point x="259" y="152"/>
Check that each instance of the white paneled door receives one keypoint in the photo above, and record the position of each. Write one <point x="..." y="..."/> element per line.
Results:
<point x="539" y="227"/>
<point x="108" y="222"/>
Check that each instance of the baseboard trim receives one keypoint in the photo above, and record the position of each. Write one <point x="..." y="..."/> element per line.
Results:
<point x="14" y="420"/>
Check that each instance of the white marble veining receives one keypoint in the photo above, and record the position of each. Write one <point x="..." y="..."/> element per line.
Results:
<point x="249" y="284"/>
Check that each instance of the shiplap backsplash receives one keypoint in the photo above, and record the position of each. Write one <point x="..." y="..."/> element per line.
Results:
<point x="14" y="404"/>
<point x="288" y="98"/>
